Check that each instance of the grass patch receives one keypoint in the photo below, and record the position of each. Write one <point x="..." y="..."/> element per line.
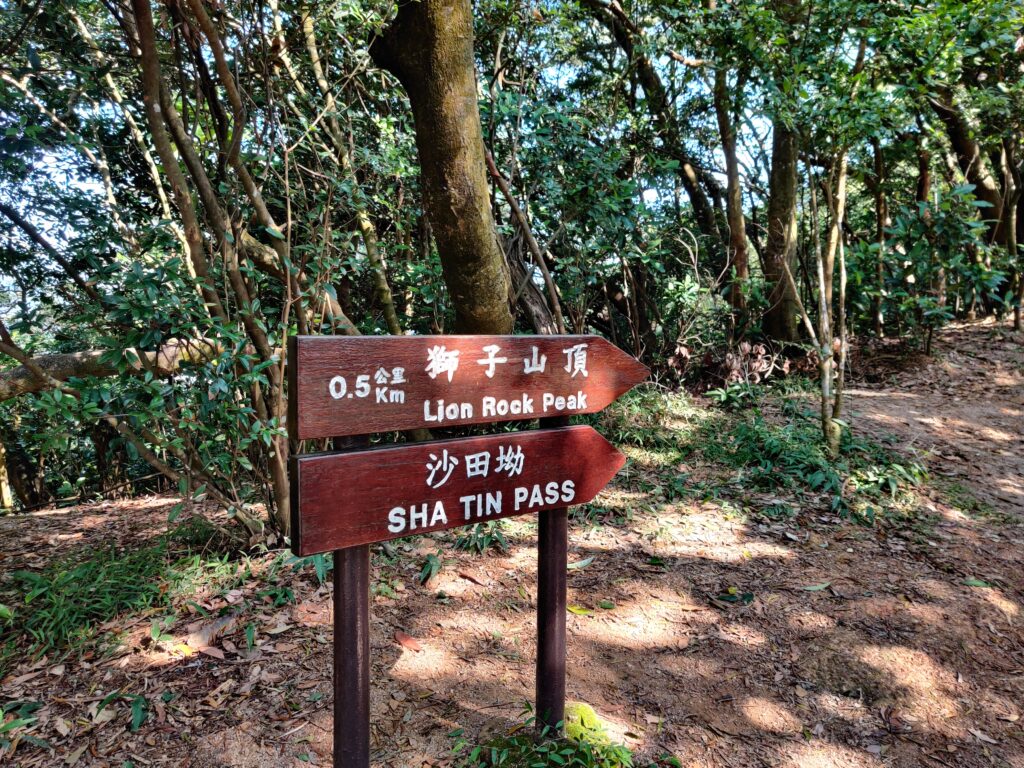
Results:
<point x="645" y="417"/>
<point x="525" y="751"/>
<point x="63" y="608"/>
<point x="786" y="456"/>
<point x="585" y="745"/>
<point x="962" y="498"/>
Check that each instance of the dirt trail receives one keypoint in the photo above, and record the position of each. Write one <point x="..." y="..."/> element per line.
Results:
<point x="862" y="646"/>
<point x="964" y="409"/>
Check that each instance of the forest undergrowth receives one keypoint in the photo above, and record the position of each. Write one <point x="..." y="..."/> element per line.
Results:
<point x="735" y="598"/>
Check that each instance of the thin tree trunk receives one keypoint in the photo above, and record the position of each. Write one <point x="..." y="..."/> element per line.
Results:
<point x="780" y="319"/>
<point x="831" y="384"/>
<point x="531" y="243"/>
<point x="429" y="48"/>
<point x="6" y="497"/>
<point x="694" y="180"/>
<point x="881" y="222"/>
<point x="738" y="253"/>
<point x="367" y="230"/>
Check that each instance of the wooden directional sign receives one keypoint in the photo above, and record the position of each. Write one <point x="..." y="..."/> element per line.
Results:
<point x="359" y="385"/>
<point x="345" y="499"/>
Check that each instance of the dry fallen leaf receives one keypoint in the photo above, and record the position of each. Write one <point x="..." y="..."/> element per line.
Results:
<point x="470" y="577"/>
<point x="74" y="756"/>
<point x="982" y="737"/>
<point x="408" y="641"/>
<point x="63" y="726"/>
<point x="209" y="633"/>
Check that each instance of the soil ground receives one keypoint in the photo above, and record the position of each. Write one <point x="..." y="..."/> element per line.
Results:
<point x="894" y="644"/>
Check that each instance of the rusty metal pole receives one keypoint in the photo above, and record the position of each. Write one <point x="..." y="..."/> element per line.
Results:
<point x="352" y="657"/>
<point x="552" y="559"/>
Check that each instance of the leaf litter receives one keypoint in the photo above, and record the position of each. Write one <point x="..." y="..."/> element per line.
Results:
<point x="729" y="642"/>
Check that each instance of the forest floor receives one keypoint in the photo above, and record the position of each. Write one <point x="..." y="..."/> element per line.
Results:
<point x="723" y="610"/>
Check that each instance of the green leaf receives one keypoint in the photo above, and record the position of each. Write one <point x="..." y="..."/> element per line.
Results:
<point x="274" y="233"/>
<point x="741" y="598"/>
<point x="140" y="711"/>
<point x="12" y="724"/>
<point x="606" y="605"/>
<point x="175" y="512"/>
<point x="579" y="565"/>
<point x="973" y="582"/>
<point x="817" y="587"/>
<point x="579" y="610"/>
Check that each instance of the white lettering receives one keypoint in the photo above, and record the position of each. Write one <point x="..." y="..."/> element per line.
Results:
<point x="439" y="410"/>
<point x="551" y="493"/>
<point x="337" y="387"/>
<point x="493" y="503"/>
<point x="520" y="495"/>
<point x="536" y="498"/>
<point x="568" y="491"/>
<point x="439" y="517"/>
<point x="493" y="407"/>
<point x="396" y="518"/>
<point x="577" y="402"/>
<point x="417" y="515"/>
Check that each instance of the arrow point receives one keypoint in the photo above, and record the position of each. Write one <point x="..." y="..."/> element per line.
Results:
<point x="630" y="370"/>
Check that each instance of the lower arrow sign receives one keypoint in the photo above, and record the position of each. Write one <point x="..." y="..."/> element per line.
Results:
<point x="346" y="499"/>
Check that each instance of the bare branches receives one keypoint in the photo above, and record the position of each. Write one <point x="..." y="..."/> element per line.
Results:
<point x="36" y="237"/>
<point x="531" y="241"/>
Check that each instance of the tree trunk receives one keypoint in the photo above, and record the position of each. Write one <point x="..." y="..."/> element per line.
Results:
<point x="780" y="319"/>
<point x="25" y="475"/>
<point x="1016" y="263"/>
<point x="924" y="175"/>
<point x="738" y="253"/>
<point x="881" y="222"/>
<point x="6" y="498"/>
<point x="367" y="229"/>
<point x="61" y="366"/>
<point x="429" y="48"/>
<point x="972" y="163"/>
<point x="833" y="352"/>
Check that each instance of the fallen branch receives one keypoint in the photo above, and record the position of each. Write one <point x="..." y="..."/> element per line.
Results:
<point x="63" y="366"/>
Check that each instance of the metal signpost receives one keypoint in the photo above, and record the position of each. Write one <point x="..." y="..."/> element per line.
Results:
<point x="345" y="501"/>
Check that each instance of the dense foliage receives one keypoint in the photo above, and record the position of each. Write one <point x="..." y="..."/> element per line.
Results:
<point x="708" y="183"/>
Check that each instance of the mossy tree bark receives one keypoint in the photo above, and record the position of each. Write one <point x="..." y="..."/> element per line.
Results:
<point x="780" y="319"/>
<point x="6" y="497"/>
<point x="429" y="48"/>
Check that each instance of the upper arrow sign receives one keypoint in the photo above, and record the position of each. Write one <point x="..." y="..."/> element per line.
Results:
<point x="358" y="385"/>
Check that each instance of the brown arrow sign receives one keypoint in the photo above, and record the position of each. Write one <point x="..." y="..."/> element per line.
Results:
<point x="345" y="499"/>
<point x="360" y="385"/>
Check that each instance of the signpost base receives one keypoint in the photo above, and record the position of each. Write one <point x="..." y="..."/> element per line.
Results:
<point x="352" y="657"/>
<point x="552" y="562"/>
<point x="552" y="559"/>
